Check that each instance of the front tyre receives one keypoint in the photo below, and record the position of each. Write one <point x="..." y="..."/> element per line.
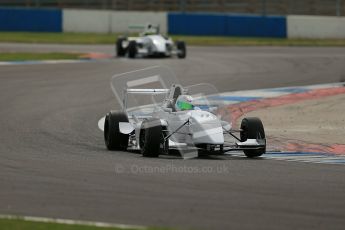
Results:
<point x="132" y="49"/>
<point x="120" y="51"/>
<point x="181" y="49"/>
<point x="114" y="140"/>
<point x="252" y="128"/>
<point x="151" y="138"/>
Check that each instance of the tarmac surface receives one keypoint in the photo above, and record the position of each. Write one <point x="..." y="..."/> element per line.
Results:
<point x="54" y="162"/>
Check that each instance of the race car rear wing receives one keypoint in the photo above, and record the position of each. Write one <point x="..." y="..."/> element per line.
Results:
<point x="146" y="29"/>
<point x="147" y="91"/>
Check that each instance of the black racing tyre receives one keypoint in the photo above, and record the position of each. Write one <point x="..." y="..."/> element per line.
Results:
<point x="181" y="48"/>
<point x="164" y="145"/>
<point x="120" y="51"/>
<point x="151" y="138"/>
<point x="252" y="128"/>
<point x="132" y="49"/>
<point x="114" y="140"/>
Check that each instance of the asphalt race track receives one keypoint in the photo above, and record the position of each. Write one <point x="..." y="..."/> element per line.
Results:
<point x="53" y="161"/>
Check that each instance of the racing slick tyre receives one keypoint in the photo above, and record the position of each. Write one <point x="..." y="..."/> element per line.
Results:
<point x="252" y="128"/>
<point x="120" y="51"/>
<point x="132" y="49"/>
<point x="151" y="138"/>
<point x="114" y="140"/>
<point x="181" y="48"/>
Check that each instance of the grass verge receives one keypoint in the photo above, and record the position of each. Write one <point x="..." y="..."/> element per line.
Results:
<point x="91" y="38"/>
<point x="21" y="224"/>
<point x="20" y="56"/>
<point x="239" y="41"/>
<point x="31" y="225"/>
<point x="59" y="38"/>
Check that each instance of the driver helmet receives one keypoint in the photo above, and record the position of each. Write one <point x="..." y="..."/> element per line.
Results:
<point x="184" y="102"/>
<point x="149" y="30"/>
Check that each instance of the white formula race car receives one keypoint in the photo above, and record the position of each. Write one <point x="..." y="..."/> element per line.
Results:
<point x="156" y="119"/>
<point x="150" y="43"/>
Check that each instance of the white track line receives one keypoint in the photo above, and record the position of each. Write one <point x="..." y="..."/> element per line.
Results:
<point x="71" y="222"/>
<point x="317" y="158"/>
<point x="309" y="158"/>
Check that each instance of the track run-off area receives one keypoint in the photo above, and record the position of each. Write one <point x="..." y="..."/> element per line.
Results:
<point x="54" y="163"/>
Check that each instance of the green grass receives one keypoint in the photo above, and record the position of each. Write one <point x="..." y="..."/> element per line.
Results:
<point x="20" y="224"/>
<point x="91" y="38"/>
<point x="20" y="56"/>
<point x="240" y="41"/>
<point x="60" y="38"/>
<point x="6" y="224"/>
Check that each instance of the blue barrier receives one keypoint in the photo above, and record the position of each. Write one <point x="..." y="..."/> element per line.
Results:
<point x="226" y="25"/>
<point x="256" y="26"/>
<point x="196" y="24"/>
<point x="36" y="20"/>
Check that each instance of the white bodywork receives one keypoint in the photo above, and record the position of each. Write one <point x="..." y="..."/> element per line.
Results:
<point x="203" y="127"/>
<point x="152" y="45"/>
<point x="188" y="128"/>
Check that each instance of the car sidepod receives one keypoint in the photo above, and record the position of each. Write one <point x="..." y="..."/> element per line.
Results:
<point x="206" y="128"/>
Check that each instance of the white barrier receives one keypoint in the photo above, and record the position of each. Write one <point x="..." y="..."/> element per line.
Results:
<point x="103" y="21"/>
<point x="91" y="21"/>
<point x="315" y="27"/>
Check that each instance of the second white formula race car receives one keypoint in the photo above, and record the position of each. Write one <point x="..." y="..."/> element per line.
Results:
<point x="150" y="43"/>
<point x="156" y="118"/>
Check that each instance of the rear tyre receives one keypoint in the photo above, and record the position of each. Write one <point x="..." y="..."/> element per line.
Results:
<point x="151" y="138"/>
<point x="120" y="51"/>
<point x="252" y="128"/>
<point x="181" y="48"/>
<point x="114" y="140"/>
<point x="132" y="49"/>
